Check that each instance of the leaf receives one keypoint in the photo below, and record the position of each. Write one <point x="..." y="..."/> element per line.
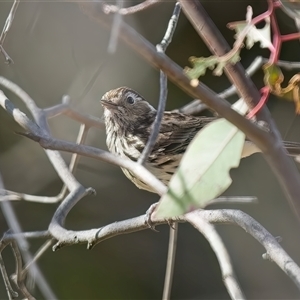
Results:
<point x="273" y="79"/>
<point x="212" y="62"/>
<point x="247" y="30"/>
<point x="273" y="76"/>
<point x="203" y="173"/>
<point x="200" y="65"/>
<point x="233" y="59"/>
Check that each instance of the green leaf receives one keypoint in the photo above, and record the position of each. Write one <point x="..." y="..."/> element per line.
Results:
<point x="212" y="62"/>
<point x="200" y="65"/>
<point x="203" y="173"/>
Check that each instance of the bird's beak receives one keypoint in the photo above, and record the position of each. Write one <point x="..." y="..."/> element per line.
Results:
<point x="108" y="104"/>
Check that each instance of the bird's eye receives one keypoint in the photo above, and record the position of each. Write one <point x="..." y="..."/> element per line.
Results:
<point x="130" y="100"/>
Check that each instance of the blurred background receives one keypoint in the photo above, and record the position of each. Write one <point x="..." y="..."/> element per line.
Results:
<point x="58" y="50"/>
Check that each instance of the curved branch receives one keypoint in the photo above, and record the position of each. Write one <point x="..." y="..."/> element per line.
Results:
<point x="107" y="8"/>
<point x="268" y="241"/>
<point x="216" y="243"/>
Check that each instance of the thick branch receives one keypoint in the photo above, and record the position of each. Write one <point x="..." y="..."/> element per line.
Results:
<point x="222" y="216"/>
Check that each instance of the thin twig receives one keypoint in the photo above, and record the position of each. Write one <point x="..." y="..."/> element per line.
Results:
<point x="115" y="29"/>
<point x="18" y="277"/>
<point x="82" y="135"/>
<point x="196" y="106"/>
<point x="161" y="48"/>
<point x="65" y="109"/>
<point x="41" y="126"/>
<point x="288" y="65"/>
<point x="233" y="200"/>
<point x="170" y="262"/>
<point x="10" y="292"/>
<point x="7" y="195"/>
<point x="107" y="8"/>
<point x="21" y="241"/>
<point x="27" y="235"/>
<point x="38" y="255"/>
<point x="92" y="152"/>
<point x="6" y="28"/>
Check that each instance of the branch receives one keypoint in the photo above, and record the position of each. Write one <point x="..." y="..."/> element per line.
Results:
<point x="18" y="277"/>
<point x="22" y="243"/>
<point x="65" y="109"/>
<point x="220" y="216"/>
<point x="6" y="28"/>
<point x="273" y="248"/>
<point x="215" y="241"/>
<point x="128" y="10"/>
<point x="40" y="127"/>
<point x="10" y="292"/>
<point x="92" y="152"/>
<point x="170" y="261"/>
<point x="113" y="40"/>
<point x="161" y="48"/>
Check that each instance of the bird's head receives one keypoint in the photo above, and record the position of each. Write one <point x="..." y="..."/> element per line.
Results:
<point x="124" y="106"/>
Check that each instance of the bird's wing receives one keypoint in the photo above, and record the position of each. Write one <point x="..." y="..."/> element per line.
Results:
<point x="177" y="130"/>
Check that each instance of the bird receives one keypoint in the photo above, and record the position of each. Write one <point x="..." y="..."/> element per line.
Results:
<point x="129" y="117"/>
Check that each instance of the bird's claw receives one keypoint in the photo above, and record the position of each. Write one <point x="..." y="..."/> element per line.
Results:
<point x="148" y="220"/>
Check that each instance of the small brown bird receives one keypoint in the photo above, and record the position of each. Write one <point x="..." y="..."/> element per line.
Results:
<point x="128" y="120"/>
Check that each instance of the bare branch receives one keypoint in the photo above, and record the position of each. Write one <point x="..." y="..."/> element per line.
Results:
<point x="82" y="134"/>
<point x="38" y="255"/>
<point x="7" y="195"/>
<point x="22" y="243"/>
<point x="273" y="248"/>
<point x="215" y="241"/>
<point x="6" y="28"/>
<point x="196" y="106"/>
<point x="18" y="277"/>
<point x="40" y="129"/>
<point x="92" y="152"/>
<point x="8" y="236"/>
<point x="170" y="262"/>
<point x="65" y="109"/>
<point x="128" y="10"/>
<point x="161" y="48"/>
<point x="222" y="216"/>
<point x="233" y="200"/>
<point x="113" y="40"/>
<point x="10" y="292"/>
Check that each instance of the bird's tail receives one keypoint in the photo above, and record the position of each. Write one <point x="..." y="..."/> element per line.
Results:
<point x="292" y="147"/>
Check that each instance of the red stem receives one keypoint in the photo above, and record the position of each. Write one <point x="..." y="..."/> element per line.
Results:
<point x="265" y="92"/>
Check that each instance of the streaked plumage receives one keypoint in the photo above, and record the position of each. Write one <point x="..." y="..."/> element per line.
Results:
<point x="129" y="118"/>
